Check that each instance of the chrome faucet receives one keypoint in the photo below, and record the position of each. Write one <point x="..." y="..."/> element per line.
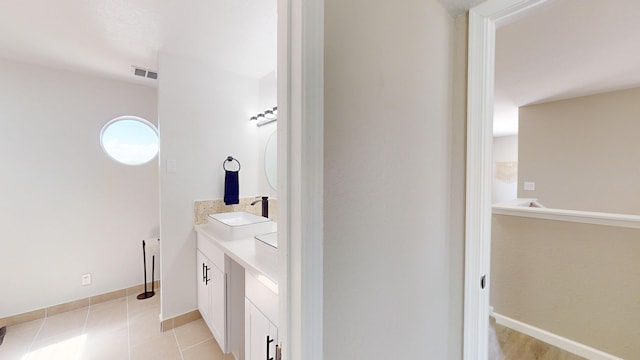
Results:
<point x="265" y="205"/>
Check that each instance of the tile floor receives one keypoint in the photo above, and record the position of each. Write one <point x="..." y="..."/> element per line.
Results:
<point x="126" y="329"/>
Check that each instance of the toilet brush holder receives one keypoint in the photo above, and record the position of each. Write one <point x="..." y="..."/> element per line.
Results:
<point x="3" y="332"/>
<point x="147" y="294"/>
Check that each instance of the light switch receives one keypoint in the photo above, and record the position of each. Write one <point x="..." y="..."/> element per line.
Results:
<point x="529" y="185"/>
<point x="86" y="279"/>
<point x="172" y="166"/>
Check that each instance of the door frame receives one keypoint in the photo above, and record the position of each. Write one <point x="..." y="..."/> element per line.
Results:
<point x="300" y="113"/>
<point x="300" y="72"/>
<point x="483" y="20"/>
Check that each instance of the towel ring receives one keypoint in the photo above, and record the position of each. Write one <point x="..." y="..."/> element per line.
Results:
<point x="229" y="159"/>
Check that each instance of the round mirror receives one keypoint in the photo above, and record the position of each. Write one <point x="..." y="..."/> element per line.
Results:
<point x="271" y="160"/>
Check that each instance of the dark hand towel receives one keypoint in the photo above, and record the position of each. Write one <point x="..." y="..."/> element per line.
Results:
<point x="231" y="188"/>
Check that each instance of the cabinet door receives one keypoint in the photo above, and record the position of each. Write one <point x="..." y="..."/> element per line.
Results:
<point x="273" y="335"/>
<point x="261" y="335"/>
<point x="218" y="306"/>
<point x="203" y="268"/>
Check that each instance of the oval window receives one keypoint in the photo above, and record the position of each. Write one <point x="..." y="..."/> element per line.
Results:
<point x="130" y="140"/>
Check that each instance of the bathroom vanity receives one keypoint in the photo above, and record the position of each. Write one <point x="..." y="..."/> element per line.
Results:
<point x="237" y="269"/>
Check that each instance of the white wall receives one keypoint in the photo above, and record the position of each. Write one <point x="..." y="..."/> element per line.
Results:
<point x="388" y="164"/>
<point x="67" y="208"/>
<point x="267" y="98"/>
<point x="505" y="149"/>
<point x="204" y="116"/>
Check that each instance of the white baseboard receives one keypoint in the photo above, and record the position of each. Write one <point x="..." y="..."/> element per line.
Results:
<point x="553" y="339"/>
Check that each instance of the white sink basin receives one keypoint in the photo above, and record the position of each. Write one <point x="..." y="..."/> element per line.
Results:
<point x="270" y="239"/>
<point x="239" y="224"/>
<point x="267" y="246"/>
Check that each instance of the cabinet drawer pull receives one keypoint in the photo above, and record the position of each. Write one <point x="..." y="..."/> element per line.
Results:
<point x="206" y="275"/>
<point x="269" y="341"/>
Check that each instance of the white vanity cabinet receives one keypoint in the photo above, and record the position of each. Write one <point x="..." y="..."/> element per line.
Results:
<point x="261" y="336"/>
<point x="238" y="293"/>
<point x="212" y="267"/>
<point x="261" y="315"/>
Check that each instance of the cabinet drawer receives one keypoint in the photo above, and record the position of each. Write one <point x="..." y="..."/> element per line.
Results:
<point x="211" y="251"/>
<point x="263" y="293"/>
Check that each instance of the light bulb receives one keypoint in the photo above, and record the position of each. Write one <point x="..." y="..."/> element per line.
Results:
<point x="269" y="114"/>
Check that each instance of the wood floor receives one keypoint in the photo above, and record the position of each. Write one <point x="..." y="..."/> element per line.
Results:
<point x="507" y="344"/>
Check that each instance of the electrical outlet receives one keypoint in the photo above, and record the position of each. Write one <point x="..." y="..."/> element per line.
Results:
<point x="86" y="279"/>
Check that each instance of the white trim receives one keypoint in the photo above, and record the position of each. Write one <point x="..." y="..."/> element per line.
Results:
<point x="480" y="85"/>
<point x="576" y="216"/>
<point x="569" y="345"/>
<point x="300" y="165"/>
<point x="286" y="314"/>
<point x="482" y="23"/>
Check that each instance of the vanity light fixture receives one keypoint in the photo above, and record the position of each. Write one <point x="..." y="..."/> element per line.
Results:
<point x="266" y="117"/>
<point x="268" y="114"/>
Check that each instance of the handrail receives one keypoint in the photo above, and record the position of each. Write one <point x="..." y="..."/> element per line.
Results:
<point x="524" y="208"/>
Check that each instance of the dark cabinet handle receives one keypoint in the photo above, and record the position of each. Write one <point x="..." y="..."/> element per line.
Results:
<point x="269" y="341"/>
<point x="205" y="274"/>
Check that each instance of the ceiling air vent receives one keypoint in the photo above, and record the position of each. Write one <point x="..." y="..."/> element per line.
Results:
<point x="144" y="73"/>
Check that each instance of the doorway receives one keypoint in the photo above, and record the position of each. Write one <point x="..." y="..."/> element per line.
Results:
<point x="490" y="57"/>
<point x="483" y="20"/>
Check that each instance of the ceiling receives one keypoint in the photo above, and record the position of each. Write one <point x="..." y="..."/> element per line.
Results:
<point x="459" y="7"/>
<point x="565" y="49"/>
<point x="108" y="37"/>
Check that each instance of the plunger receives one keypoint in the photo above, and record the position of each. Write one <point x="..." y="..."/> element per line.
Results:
<point x="147" y="294"/>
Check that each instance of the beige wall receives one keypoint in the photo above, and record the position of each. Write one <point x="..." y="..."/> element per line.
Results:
<point x="458" y="185"/>
<point x="579" y="281"/>
<point x="391" y="147"/>
<point x="582" y="153"/>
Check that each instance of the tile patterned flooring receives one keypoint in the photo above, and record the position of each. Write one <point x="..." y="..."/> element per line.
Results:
<point x="127" y="329"/>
